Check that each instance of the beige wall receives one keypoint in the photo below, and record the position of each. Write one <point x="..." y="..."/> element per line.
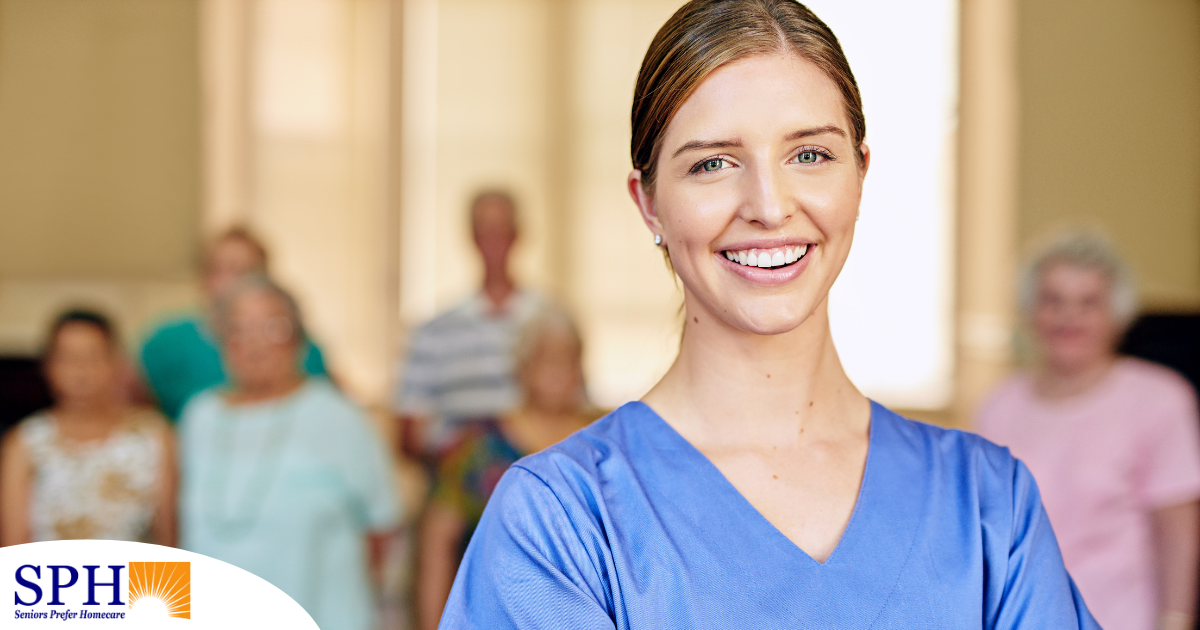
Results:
<point x="626" y="299"/>
<point x="99" y="161"/>
<point x="987" y="202"/>
<point x="1110" y="132"/>
<point x="297" y="147"/>
<point x="99" y="139"/>
<point x="354" y="151"/>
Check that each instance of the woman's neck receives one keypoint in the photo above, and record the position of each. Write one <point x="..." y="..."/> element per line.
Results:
<point x="90" y="418"/>
<point x="1056" y="382"/>
<point x="249" y="392"/>
<point x="730" y="386"/>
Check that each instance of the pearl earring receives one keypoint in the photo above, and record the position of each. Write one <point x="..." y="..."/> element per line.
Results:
<point x="657" y="239"/>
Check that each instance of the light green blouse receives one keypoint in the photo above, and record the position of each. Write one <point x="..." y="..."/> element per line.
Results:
<point x="288" y="490"/>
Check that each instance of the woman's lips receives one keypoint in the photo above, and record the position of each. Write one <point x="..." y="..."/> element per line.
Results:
<point x="782" y="264"/>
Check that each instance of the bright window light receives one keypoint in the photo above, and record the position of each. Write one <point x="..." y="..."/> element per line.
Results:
<point x="891" y="309"/>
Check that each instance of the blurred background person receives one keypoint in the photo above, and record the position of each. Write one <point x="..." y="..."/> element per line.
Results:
<point x="281" y="474"/>
<point x="1111" y="440"/>
<point x="90" y="467"/>
<point x="554" y="404"/>
<point x="460" y="364"/>
<point x="182" y="357"/>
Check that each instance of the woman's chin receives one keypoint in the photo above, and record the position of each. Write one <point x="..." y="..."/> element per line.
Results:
<point x="768" y="321"/>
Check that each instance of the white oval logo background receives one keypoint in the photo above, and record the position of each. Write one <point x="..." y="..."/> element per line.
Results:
<point x="160" y="587"/>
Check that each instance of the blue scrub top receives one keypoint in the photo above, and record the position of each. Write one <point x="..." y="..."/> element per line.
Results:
<point x="626" y="525"/>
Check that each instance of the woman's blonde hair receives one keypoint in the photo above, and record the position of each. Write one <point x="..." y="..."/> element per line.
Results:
<point x="1081" y="248"/>
<point x="704" y="35"/>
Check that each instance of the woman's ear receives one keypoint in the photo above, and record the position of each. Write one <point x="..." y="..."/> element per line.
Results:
<point x="865" y="152"/>
<point x="644" y="201"/>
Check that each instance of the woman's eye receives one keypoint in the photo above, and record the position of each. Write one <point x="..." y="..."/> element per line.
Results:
<point x="714" y="164"/>
<point x="808" y="157"/>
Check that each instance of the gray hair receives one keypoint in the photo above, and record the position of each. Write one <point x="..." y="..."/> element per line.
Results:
<point x="1082" y="249"/>
<point x="550" y="320"/>
<point x="257" y="283"/>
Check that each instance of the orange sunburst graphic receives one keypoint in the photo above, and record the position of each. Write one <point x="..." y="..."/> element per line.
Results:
<point x="169" y="582"/>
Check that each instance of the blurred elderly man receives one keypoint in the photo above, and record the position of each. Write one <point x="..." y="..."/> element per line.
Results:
<point x="554" y="404"/>
<point x="182" y="357"/>
<point x="460" y="366"/>
<point x="1112" y="441"/>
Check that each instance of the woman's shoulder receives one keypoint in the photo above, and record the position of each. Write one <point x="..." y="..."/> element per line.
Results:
<point x="1013" y="390"/>
<point x="35" y="430"/>
<point x="37" y="421"/>
<point x="586" y="452"/>
<point x="322" y="400"/>
<point x="573" y="473"/>
<point x="1152" y="379"/>
<point x="950" y="452"/>
<point x="203" y="405"/>
<point x="147" y="423"/>
<point x="317" y="390"/>
<point x="323" y="414"/>
<point x="174" y="328"/>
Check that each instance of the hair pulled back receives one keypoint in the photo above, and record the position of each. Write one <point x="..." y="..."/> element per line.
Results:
<point x="704" y="35"/>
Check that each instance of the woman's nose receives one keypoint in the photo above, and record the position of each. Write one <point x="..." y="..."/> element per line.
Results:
<point x="766" y="200"/>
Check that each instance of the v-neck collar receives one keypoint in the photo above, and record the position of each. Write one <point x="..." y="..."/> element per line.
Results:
<point x="878" y="539"/>
<point x="714" y="477"/>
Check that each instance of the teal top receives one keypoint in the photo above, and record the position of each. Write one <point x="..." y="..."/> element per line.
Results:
<point x="288" y="490"/>
<point x="182" y="358"/>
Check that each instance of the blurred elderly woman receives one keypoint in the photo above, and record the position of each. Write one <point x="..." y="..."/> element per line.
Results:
<point x="1112" y="441"/>
<point x="281" y="474"/>
<point x="182" y="357"/>
<point x="91" y="466"/>
<point x="549" y="372"/>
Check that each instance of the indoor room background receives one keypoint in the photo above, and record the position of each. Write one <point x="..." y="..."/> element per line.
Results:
<point x="351" y="135"/>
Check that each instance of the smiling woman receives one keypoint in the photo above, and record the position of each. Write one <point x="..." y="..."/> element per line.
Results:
<point x="754" y="486"/>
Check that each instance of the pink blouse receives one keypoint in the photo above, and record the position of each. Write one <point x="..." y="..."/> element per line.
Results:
<point x="1104" y="461"/>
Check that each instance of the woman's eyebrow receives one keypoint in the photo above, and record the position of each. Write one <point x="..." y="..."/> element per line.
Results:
<point x="695" y="145"/>
<point x="706" y="144"/>
<point x="815" y="131"/>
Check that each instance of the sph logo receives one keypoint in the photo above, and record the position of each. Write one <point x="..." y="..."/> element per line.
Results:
<point x="90" y="585"/>
<point x="165" y="585"/>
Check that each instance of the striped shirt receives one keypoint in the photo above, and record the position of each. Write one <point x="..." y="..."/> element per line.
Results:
<point x="460" y="364"/>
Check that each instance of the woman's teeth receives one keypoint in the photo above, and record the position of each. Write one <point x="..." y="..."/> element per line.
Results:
<point x="767" y="258"/>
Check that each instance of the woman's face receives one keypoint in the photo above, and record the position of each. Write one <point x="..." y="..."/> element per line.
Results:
<point x="553" y="376"/>
<point x="82" y="365"/>
<point x="229" y="260"/>
<point x="1072" y="316"/>
<point x="757" y="192"/>
<point x="260" y="341"/>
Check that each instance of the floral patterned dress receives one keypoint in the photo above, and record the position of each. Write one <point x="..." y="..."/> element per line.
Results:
<point x="468" y="473"/>
<point x="102" y="490"/>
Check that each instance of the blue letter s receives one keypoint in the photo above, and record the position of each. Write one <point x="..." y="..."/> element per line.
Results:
<point x="37" y="590"/>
